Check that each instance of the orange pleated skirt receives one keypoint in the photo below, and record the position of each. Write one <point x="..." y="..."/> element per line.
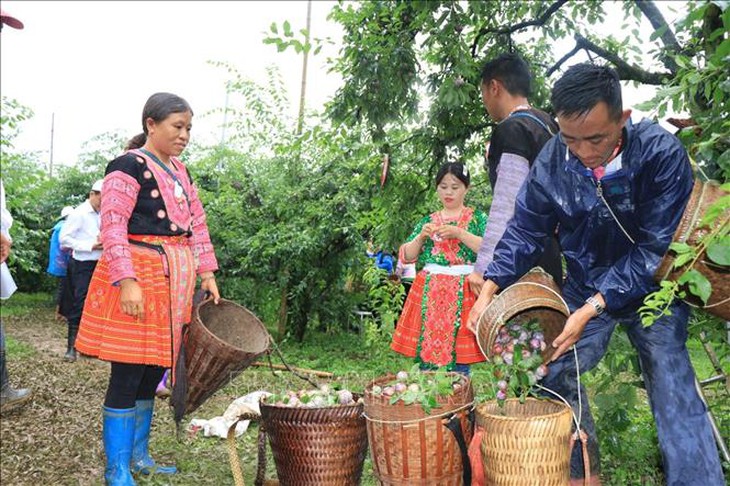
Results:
<point x="427" y="328"/>
<point x="167" y="280"/>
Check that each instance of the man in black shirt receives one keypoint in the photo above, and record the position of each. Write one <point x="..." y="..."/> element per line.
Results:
<point x="520" y="133"/>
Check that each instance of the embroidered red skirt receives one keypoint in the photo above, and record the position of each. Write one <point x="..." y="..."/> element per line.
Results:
<point x="167" y="278"/>
<point x="432" y="327"/>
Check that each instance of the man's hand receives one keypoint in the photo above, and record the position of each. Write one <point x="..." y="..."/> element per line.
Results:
<point x="476" y="282"/>
<point x="573" y="330"/>
<point x="5" y="243"/>
<point x="97" y="245"/>
<point x="485" y="298"/>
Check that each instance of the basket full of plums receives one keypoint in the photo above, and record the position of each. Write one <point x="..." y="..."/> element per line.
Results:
<point x="317" y="437"/>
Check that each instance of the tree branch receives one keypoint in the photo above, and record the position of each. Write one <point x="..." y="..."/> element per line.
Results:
<point x="578" y="46"/>
<point x="657" y="20"/>
<point x="539" y="21"/>
<point x="625" y="71"/>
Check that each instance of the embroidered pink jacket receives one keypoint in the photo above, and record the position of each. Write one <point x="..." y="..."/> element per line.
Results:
<point x="138" y="197"/>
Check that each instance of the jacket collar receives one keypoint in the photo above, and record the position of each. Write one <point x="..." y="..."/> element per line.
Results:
<point x="573" y="164"/>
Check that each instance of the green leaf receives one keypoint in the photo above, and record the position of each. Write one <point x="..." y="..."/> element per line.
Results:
<point x="719" y="251"/>
<point x="657" y="33"/>
<point x="680" y="248"/>
<point x="287" y="29"/>
<point x="697" y="284"/>
<point x="273" y="28"/>
<point x="682" y="260"/>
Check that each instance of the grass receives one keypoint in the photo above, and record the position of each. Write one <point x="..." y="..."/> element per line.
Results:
<point x="627" y="433"/>
<point x="25" y="303"/>
<point x="18" y="349"/>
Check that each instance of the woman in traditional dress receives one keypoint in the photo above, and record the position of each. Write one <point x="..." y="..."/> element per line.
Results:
<point x="155" y="240"/>
<point x="432" y="326"/>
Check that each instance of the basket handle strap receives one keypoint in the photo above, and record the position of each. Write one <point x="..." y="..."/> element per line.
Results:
<point x="454" y="425"/>
<point x="261" y="467"/>
<point x="233" y="459"/>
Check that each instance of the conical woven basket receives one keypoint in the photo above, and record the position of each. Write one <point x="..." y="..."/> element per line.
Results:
<point x="223" y="340"/>
<point x="703" y="195"/>
<point x="526" y="444"/>
<point x="534" y="296"/>
<point x="411" y="447"/>
<point x="323" y="446"/>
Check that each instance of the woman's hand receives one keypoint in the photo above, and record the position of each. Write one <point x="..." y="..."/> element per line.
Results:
<point x="427" y="231"/>
<point x="449" y="231"/>
<point x="209" y="284"/>
<point x="132" y="299"/>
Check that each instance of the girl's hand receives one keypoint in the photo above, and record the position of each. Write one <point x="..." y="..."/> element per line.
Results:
<point x="132" y="299"/>
<point x="209" y="284"/>
<point x="448" y="231"/>
<point x="427" y="231"/>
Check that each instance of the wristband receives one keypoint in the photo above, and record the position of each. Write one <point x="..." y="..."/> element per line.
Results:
<point x="596" y="305"/>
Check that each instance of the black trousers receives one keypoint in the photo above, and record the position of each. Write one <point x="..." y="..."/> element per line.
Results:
<point x="131" y="382"/>
<point x="79" y="277"/>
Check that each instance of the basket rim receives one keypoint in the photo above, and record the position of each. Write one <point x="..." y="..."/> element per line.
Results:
<point x="327" y="407"/>
<point x="486" y="315"/>
<point x="257" y="321"/>
<point x="479" y="409"/>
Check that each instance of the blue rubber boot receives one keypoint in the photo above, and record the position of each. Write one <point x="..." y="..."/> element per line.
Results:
<point x="118" y="440"/>
<point x="142" y="463"/>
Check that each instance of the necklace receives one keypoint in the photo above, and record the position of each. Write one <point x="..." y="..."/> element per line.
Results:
<point x="447" y="217"/>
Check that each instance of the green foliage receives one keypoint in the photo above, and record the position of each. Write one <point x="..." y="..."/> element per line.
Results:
<point x="420" y="387"/>
<point x="620" y="409"/>
<point x="715" y="244"/>
<point x="700" y="86"/>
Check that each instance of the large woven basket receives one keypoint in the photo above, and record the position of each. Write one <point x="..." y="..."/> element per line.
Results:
<point x="526" y="444"/>
<point x="409" y="446"/>
<point x="534" y="296"/>
<point x="323" y="446"/>
<point x="222" y="341"/>
<point x="703" y="195"/>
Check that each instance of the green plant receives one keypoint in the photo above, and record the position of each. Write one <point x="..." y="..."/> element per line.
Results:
<point x="715" y="245"/>
<point x="516" y="361"/>
<point x="416" y="386"/>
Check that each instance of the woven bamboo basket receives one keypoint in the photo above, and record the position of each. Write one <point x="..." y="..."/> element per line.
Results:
<point x="534" y="296"/>
<point x="409" y="446"/>
<point x="703" y="195"/>
<point x="526" y="444"/>
<point x="323" y="446"/>
<point x="223" y="340"/>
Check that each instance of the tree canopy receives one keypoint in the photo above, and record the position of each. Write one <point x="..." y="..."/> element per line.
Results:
<point x="290" y="213"/>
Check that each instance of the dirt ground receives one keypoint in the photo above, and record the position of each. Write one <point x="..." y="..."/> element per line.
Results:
<point x="54" y="439"/>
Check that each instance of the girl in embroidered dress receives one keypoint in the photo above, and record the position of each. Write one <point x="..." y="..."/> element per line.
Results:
<point x="432" y="326"/>
<point x="155" y="242"/>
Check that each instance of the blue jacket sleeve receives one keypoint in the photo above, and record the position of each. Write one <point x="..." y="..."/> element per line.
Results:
<point x="662" y="187"/>
<point x="524" y="239"/>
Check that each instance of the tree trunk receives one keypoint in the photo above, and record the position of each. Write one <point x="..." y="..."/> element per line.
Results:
<point x="283" y="306"/>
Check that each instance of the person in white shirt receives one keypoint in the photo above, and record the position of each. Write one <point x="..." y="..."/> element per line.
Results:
<point x="81" y="234"/>
<point x="9" y="396"/>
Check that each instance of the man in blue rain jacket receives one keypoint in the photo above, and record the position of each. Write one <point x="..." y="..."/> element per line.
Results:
<point x="615" y="191"/>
